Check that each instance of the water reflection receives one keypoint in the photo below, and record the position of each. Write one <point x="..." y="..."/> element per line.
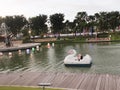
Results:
<point x="105" y="59"/>
<point x="12" y="63"/>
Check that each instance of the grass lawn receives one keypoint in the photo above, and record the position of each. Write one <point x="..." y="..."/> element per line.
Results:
<point x="23" y="88"/>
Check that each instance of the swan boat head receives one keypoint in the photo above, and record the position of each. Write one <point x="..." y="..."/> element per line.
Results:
<point x="71" y="54"/>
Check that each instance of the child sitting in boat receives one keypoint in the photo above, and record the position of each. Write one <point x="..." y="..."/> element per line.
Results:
<point x="79" y="57"/>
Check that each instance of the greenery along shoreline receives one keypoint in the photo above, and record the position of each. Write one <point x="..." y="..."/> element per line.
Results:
<point x="115" y="37"/>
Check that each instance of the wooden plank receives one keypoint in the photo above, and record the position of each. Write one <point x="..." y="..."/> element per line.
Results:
<point x="58" y="79"/>
<point x="32" y="79"/>
<point x="8" y="77"/>
<point x="112" y="83"/>
<point x="118" y="82"/>
<point x="39" y="79"/>
<point x="80" y="80"/>
<point x="67" y="82"/>
<point x="103" y="80"/>
<point x="84" y="82"/>
<point x="75" y="81"/>
<point x="107" y="82"/>
<point x="62" y="79"/>
<point x="93" y="82"/>
<point x="25" y="78"/>
<point x="98" y="82"/>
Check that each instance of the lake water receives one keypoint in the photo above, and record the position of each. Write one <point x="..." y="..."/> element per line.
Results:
<point x="106" y="59"/>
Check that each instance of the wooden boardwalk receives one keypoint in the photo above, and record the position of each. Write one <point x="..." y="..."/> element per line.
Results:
<point x="69" y="81"/>
<point x="16" y="47"/>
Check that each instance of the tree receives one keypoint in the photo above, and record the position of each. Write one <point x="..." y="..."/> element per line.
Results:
<point x="15" y="23"/>
<point x="39" y="24"/>
<point x="103" y="21"/>
<point x="91" y="23"/>
<point x="80" y="21"/>
<point x="1" y="20"/>
<point x="57" y="22"/>
<point x="97" y="17"/>
<point x="114" y="19"/>
<point x="69" y="26"/>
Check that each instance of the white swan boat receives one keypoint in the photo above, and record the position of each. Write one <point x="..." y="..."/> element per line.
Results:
<point x="73" y="60"/>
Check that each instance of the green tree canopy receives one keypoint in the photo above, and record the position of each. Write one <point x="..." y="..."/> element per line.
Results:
<point x="57" y="22"/>
<point x="15" y="23"/>
<point x="38" y="24"/>
<point x="80" y="21"/>
<point x="113" y="19"/>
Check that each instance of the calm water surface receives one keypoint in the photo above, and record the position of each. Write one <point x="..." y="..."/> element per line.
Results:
<point x="106" y="59"/>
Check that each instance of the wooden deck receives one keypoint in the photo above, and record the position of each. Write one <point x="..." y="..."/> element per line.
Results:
<point x="69" y="81"/>
<point x="16" y="47"/>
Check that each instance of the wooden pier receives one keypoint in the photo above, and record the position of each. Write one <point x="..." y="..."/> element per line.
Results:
<point x="68" y="81"/>
<point x="17" y="47"/>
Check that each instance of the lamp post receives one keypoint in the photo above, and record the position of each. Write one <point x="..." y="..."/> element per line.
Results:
<point x="29" y="33"/>
<point x="76" y="26"/>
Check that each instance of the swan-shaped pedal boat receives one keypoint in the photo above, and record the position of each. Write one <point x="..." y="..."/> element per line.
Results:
<point x="73" y="60"/>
